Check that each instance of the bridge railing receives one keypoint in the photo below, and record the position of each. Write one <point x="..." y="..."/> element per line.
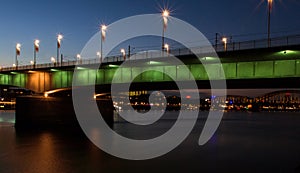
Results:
<point x="231" y="46"/>
<point x="262" y="43"/>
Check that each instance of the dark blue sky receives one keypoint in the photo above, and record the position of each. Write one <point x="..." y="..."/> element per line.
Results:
<point x="23" y="21"/>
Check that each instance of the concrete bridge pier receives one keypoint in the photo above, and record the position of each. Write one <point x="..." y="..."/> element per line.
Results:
<point x="39" y="112"/>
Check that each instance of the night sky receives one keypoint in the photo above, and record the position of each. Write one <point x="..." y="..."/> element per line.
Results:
<point x="78" y="20"/>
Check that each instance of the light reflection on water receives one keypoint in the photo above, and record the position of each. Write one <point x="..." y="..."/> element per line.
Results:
<point x="7" y="117"/>
<point x="244" y="142"/>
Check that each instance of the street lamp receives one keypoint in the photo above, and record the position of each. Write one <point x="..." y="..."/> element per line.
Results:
<point x="224" y="40"/>
<point x="59" y="39"/>
<point x="52" y="59"/>
<point x="167" y="47"/>
<point x="36" y="49"/>
<point x="99" y="56"/>
<point x="270" y="4"/>
<point x="217" y="40"/>
<point x="123" y="53"/>
<point x="18" y="52"/>
<point x="103" y="36"/>
<point x="165" y="15"/>
<point x="78" y="56"/>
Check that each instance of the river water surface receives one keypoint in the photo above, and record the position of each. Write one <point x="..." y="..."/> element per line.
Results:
<point x="244" y="142"/>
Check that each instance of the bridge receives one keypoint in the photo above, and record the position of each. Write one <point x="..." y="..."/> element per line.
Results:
<point x="255" y="67"/>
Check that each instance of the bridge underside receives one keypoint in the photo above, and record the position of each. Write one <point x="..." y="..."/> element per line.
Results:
<point x="274" y="83"/>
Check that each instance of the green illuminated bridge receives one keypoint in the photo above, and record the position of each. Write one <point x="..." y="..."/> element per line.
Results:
<point x="274" y="67"/>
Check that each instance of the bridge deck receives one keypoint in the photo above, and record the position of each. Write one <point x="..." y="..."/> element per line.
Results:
<point x="280" y="66"/>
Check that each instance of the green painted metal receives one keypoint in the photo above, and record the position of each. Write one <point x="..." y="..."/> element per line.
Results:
<point x="245" y="70"/>
<point x="230" y="70"/>
<point x="284" y="68"/>
<point x="264" y="69"/>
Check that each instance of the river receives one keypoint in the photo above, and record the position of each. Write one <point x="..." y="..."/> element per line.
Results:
<point x="244" y="142"/>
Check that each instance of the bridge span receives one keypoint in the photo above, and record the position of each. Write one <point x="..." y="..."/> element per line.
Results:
<point x="275" y="67"/>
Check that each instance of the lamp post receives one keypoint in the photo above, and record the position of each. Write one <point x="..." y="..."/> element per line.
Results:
<point x="36" y="49"/>
<point x="167" y="47"/>
<point x="31" y="62"/>
<point x="99" y="56"/>
<point x="78" y="56"/>
<point x="224" y="40"/>
<point x="270" y="4"/>
<point x="123" y="53"/>
<point x="217" y="40"/>
<point x="18" y="52"/>
<point x="165" y="15"/>
<point x="103" y="36"/>
<point x="59" y="39"/>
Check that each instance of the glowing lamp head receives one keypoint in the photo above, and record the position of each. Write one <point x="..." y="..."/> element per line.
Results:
<point x="122" y="51"/>
<point x="78" y="56"/>
<point x="36" y="42"/>
<point x="224" y="39"/>
<point x="165" y="13"/>
<point x="103" y="28"/>
<point x="52" y="59"/>
<point x="60" y="37"/>
<point x="31" y="62"/>
<point x="18" y="46"/>
<point x="18" y="49"/>
<point x="166" y="46"/>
